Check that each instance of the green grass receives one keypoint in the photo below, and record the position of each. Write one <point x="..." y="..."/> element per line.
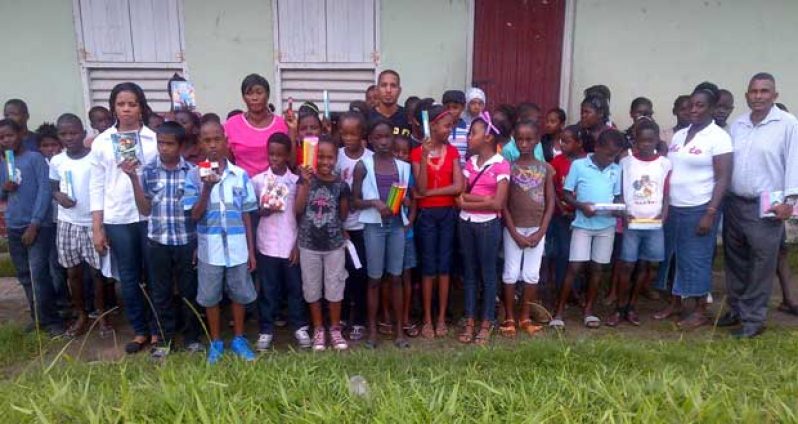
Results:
<point x="17" y="346"/>
<point x="608" y="379"/>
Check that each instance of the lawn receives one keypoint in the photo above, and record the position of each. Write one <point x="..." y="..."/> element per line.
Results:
<point x="549" y="379"/>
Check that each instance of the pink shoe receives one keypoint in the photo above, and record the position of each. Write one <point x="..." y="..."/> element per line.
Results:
<point x="337" y="339"/>
<point x="319" y="342"/>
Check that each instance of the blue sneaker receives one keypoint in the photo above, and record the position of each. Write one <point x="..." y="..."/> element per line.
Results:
<point x="240" y="347"/>
<point x="215" y="351"/>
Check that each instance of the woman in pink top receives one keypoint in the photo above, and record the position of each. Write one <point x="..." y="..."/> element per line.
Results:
<point x="248" y="133"/>
<point x="487" y="177"/>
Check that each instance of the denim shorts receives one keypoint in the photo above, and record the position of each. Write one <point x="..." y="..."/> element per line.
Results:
<point x="235" y="281"/>
<point x="435" y="229"/>
<point x="385" y="248"/>
<point x="643" y="245"/>
<point x="410" y="260"/>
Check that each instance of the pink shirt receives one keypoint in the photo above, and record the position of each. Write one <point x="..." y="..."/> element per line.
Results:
<point x="249" y="145"/>
<point x="276" y="233"/>
<point x="496" y="169"/>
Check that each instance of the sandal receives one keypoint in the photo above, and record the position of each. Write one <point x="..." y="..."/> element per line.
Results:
<point x="401" y="344"/>
<point x="427" y="330"/>
<point x="592" y="322"/>
<point x="412" y="330"/>
<point x="666" y="313"/>
<point x="385" y="328"/>
<point x="632" y="317"/>
<point x="467" y="336"/>
<point x="788" y="308"/>
<point x="692" y="322"/>
<point x="105" y="330"/>
<point x="77" y="328"/>
<point x="530" y="327"/>
<point x="483" y="337"/>
<point x="135" y="346"/>
<point x="441" y="330"/>
<point x="614" y="319"/>
<point x="507" y="329"/>
<point x="557" y="324"/>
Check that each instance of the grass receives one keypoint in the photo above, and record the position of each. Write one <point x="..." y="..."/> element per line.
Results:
<point x="17" y="346"/>
<point x="549" y="379"/>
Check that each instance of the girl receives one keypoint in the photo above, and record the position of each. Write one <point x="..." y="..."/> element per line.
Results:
<point x="439" y="180"/>
<point x="248" y="133"/>
<point x="323" y="204"/>
<point x="529" y="209"/>
<point x="401" y="147"/>
<point x="305" y="123"/>
<point x="353" y="130"/>
<point x="384" y="230"/>
<point x="553" y="126"/>
<point x="487" y="175"/>
<point x="594" y="114"/>
<point x="116" y="222"/>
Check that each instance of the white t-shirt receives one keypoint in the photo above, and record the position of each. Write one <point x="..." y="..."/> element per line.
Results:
<point x="60" y="164"/>
<point x="693" y="177"/>
<point x="644" y="185"/>
<point x="346" y="169"/>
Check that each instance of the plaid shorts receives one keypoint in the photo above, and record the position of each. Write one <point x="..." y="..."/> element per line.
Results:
<point x="74" y="245"/>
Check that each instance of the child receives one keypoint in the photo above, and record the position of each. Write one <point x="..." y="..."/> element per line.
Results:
<point x="69" y="176"/>
<point x="278" y="255"/>
<point x="384" y="230"/>
<point x="530" y="204"/>
<point x="439" y="180"/>
<point x="487" y="176"/>
<point x="220" y="204"/>
<point x="353" y="132"/>
<point x="553" y="126"/>
<point x="593" y="119"/>
<point x="48" y="142"/>
<point x="594" y="179"/>
<point x="475" y="104"/>
<point x="17" y="111"/>
<point x="154" y="121"/>
<point x="645" y="192"/>
<point x="190" y="150"/>
<point x="323" y="203"/>
<point x="29" y="226"/>
<point x="640" y="107"/>
<point x="100" y="119"/>
<point x="402" y="149"/>
<point x="454" y="101"/>
<point x="304" y="123"/>
<point x="171" y="235"/>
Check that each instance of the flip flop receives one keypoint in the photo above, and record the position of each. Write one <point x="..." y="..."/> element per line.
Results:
<point x="441" y="331"/>
<point x="530" y="327"/>
<point x="401" y="343"/>
<point x="385" y="329"/>
<point x="412" y="330"/>
<point x="507" y="328"/>
<point x="557" y="324"/>
<point x="428" y="331"/>
<point x="592" y="322"/>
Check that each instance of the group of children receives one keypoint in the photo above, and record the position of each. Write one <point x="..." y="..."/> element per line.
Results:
<point x="488" y="197"/>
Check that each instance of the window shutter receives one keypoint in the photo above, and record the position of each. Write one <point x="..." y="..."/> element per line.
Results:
<point x="343" y="86"/>
<point x="302" y="31"/>
<point x="105" y="25"/>
<point x="155" y="28"/>
<point x="152" y="80"/>
<point x="350" y="31"/>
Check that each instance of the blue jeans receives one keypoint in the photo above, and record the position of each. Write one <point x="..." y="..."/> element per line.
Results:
<point x="691" y="253"/>
<point x="127" y="247"/>
<point x="558" y="243"/>
<point x="435" y="229"/>
<point x="170" y="265"/>
<point x="385" y="248"/>
<point x="32" y="264"/>
<point x="480" y="244"/>
<point x="279" y="279"/>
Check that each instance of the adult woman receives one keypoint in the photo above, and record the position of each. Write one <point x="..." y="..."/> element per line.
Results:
<point x="116" y="222"/>
<point x="701" y="155"/>
<point x="248" y="133"/>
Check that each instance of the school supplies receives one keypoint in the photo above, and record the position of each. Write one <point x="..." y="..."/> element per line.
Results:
<point x="425" y="123"/>
<point x="274" y="195"/>
<point x="608" y="208"/>
<point x="183" y="97"/>
<point x="11" y="167"/>
<point x="769" y="199"/>
<point x="69" y="186"/>
<point x="645" y="224"/>
<point x="207" y="168"/>
<point x="326" y="98"/>
<point x="310" y="151"/>
<point x="127" y="146"/>
<point x="396" y="195"/>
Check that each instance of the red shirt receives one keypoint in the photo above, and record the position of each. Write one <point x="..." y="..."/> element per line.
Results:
<point x="561" y="165"/>
<point x="443" y="176"/>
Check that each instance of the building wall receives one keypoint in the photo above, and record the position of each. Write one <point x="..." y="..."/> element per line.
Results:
<point x="660" y="49"/>
<point x="40" y="63"/>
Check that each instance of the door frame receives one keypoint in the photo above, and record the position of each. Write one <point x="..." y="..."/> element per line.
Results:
<point x="566" y="66"/>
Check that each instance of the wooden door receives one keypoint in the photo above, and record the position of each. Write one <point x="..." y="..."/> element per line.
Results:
<point x="518" y="50"/>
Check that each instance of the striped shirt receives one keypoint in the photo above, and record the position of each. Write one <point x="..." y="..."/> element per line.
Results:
<point x="221" y="235"/>
<point x="169" y="224"/>
<point x="459" y="139"/>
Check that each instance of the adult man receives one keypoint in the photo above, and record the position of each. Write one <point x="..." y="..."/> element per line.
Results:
<point x="765" y="154"/>
<point x="17" y="111"/>
<point x="389" y="88"/>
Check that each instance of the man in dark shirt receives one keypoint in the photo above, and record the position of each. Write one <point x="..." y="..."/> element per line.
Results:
<point x="389" y="88"/>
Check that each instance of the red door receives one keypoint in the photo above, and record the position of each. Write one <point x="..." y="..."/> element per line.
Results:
<point x="518" y="50"/>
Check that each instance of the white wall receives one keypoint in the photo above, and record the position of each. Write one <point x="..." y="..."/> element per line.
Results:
<point x="663" y="48"/>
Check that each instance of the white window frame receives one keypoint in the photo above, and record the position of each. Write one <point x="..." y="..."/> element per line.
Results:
<point x="85" y="65"/>
<point x="278" y="66"/>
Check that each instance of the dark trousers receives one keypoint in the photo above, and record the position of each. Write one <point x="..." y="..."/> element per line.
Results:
<point x="127" y="247"/>
<point x="280" y="279"/>
<point x="357" y="282"/>
<point x="480" y="247"/>
<point x="751" y="248"/>
<point x="170" y="265"/>
<point x="32" y="264"/>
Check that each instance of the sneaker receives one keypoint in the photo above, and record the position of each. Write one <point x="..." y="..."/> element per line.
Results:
<point x="195" y="347"/>
<point x="337" y="339"/>
<point x="303" y="338"/>
<point x="159" y="352"/>
<point x="264" y="342"/>
<point x="357" y="333"/>
<point x="240" y="347"/>
<point x="319" y="342"/>
<point x="215" y="351"/>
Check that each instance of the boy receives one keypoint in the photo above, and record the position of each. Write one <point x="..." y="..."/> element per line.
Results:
<point x="645" y="192"/>
<point x="594" y="179"/>
<point x="29" y="225"/>
<point x="172" y="237"/>
<point x="278" y="255"/>
<point x="100" y="119"/>
<point x="69" y="178"/>
<point x="455" y="101"/>
<point x="220" y="200"/>
<point x="17" y="111"/>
